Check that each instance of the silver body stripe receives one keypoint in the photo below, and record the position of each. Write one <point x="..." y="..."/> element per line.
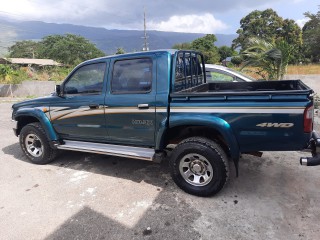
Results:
<point x="239" y="110"/>
<point x="83" y="112"/>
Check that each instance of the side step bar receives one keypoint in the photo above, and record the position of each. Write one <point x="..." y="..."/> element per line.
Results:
<point x="109" y="149"/>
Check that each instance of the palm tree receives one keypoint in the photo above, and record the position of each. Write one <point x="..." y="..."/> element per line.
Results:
<point x="269" y="59"/>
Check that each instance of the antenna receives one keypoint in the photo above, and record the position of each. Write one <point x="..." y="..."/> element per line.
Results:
<point x="145" y="45"/>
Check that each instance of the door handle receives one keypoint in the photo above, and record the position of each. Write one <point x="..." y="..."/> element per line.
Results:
<point x="93" y="106"/>
<point x="143" y="106"/>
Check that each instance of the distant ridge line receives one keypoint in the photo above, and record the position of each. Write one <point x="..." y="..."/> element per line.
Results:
<point x="108" y="40"/>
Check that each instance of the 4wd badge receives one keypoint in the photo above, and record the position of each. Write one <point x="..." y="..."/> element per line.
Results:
<point x="276" y="125"/>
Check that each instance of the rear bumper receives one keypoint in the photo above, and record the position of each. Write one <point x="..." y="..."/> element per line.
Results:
<point x="315" y="150"/>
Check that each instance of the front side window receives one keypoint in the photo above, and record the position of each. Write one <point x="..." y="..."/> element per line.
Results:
<point x="86" y="80"/>
<point x="132" y="76"/>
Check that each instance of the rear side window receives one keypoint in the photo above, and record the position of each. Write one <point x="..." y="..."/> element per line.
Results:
<point x="86" y="80"/>
<point x="132" y="76"/>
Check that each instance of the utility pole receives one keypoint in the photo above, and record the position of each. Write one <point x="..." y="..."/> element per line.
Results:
<point x="145" y="45"/>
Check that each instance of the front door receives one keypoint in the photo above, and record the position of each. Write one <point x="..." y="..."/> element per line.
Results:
<point x="79" y="113"/>
<point x="130" y="112"/>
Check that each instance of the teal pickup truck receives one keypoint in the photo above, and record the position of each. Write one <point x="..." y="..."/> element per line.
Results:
<point x="156" y="105"/>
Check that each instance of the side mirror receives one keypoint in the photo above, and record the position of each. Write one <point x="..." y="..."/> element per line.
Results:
<point x="58" y="90"/>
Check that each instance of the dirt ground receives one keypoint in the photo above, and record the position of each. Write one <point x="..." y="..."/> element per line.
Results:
<point x="88" y="196"/>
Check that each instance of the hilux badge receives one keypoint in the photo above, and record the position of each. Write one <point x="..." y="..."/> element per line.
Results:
<point x="142" y="122"/>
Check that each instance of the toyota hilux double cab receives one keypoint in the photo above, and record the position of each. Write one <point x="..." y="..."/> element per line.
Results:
<point x="157" y="105"/>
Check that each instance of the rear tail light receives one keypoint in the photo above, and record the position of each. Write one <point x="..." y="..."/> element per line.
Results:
<point x="308" y="119"/>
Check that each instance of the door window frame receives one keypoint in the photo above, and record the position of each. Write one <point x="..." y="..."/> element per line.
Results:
<point x="132" y="92"/>
<point x="103" y="90"/>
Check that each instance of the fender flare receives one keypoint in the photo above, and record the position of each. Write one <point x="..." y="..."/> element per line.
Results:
<point x="213" y="122"/>
<point x="42" y="118"/>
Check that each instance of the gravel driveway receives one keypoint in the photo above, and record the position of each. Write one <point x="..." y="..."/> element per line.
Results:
<point x="88" y="196"/>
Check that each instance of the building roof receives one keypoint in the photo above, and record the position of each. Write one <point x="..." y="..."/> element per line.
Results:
<point x="30" y="61"/>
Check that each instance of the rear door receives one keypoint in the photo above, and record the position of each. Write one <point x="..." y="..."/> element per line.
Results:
<point x="130" y="112"/>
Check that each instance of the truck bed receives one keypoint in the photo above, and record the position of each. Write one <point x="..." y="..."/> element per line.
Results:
<point x="248" y="88"/>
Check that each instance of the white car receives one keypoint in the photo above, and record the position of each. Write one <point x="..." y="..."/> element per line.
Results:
<point x="218" y="73"/>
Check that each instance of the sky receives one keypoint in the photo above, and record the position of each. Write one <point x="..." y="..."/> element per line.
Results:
<point x="202" y="16"/>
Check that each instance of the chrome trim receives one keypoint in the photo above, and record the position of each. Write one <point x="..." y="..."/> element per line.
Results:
<point x="109" y="149"/>
<point x="143" y="105"/>
<point x="88" y="125"/>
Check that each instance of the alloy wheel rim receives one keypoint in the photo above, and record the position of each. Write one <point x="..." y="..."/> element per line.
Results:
<point x="196" y="169"/>
<point x="34" y="145"/>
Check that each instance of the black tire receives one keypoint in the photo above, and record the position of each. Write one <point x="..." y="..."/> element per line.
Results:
<point x="35" y="144"/>
<point x="199" y="166"/>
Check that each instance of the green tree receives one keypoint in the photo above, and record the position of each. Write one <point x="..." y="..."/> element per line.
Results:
<point x="207" y="47"/>
<point x="237" y="60"/>
<point x="182" y="46"/>
<point x="270" y="59"/>
<point x="225" y="52"/>
<point x="68" y="49"/>
<point x="311" y="36"/>
<point x="267" y="25"/>
<point x="24" y="49"/>
<point x="6" y="73"/>
<point x="120" y="51"/>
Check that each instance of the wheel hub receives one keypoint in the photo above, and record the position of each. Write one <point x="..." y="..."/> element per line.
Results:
<point x="37" y="143"/>
<point x="197" y="167"/>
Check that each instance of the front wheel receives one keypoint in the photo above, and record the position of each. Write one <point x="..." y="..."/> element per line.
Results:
<point x="35" y="144"/>
<point x="199" y="166"/>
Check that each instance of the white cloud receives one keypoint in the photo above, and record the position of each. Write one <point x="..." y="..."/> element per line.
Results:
<point x="302" y="22"/>
<point x="118" y="15"/>
<point x="190" y="23"/>
<point x="17" y="10"/>
<point x="165" y="15"/>
<point x="57" y="10"/>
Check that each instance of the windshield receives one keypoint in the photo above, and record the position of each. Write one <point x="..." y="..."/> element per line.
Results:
<point x="242" y="74"/>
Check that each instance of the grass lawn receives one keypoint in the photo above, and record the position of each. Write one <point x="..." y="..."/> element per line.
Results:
<point x="292" y="69"/>
<point x="304" y="69"/>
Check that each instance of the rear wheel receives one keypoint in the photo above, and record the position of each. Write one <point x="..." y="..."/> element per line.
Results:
<point x="35" y="145"/>
<point x="199" y="166"/>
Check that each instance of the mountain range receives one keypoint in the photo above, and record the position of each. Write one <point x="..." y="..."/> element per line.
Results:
<point x="105" y="39"/>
